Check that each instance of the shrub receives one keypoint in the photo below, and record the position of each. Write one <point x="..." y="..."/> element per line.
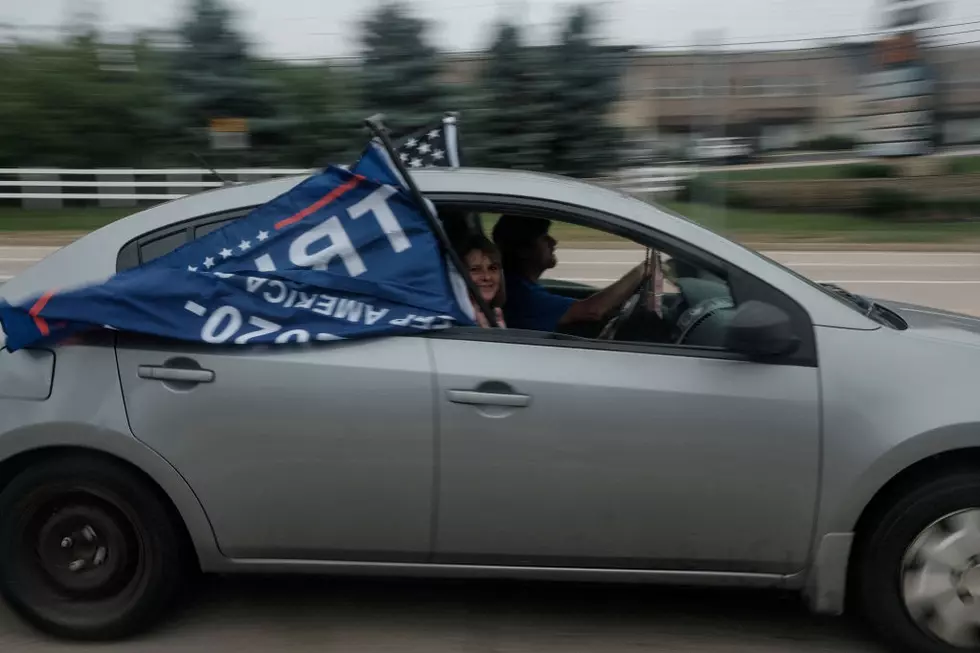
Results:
<point x="704" y="190"/>
<point x="868" y="171"/>
<point x="830" y="144"/>
<point x="891" y="202"/>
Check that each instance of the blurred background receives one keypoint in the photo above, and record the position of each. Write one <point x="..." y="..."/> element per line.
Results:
<point x="850" y="119"/>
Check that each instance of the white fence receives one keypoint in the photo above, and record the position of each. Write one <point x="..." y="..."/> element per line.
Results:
<point x="54" y="187"/>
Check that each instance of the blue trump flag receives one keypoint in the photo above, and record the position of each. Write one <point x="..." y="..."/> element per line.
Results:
<point x="344" y="254"/>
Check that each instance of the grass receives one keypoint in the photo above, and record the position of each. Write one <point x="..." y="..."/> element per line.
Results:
<point x="784" y="174"/>
<point x="763" y="226"/>
<point x="960" y="165"/>
<point x="87" y="218"/>
<point x="739" y="224"/>
<point x="833" y="226"/>
<point x="963" y="165"/>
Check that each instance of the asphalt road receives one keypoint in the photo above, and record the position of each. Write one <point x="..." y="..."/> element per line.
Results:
<point x="352" y="616"/>
<point x="320" y="615"/>
<point x="944" y="280"/>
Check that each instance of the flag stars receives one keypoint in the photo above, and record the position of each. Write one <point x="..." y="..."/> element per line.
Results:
<point x="411" y="142"/>
<point x="433" y="134"/>
<point x="209" y="262"/>
<point x="404" y="157"/>
<point x="425" y="148"/>
<point x="244" y="245"/>
<point x="225" y="253"/>
<point x="438" y="155"/>
<point x="263" y="235"/>
<point x="416" y="163"/>
<point x="192" y="268"/>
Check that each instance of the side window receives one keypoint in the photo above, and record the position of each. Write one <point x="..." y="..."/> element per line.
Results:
<point x="683" y="304"/>
<point x="163" y="245"/>
<point x="157" y="243"/>
<point x="204" y="229"/>
<point x="687" y="311"/>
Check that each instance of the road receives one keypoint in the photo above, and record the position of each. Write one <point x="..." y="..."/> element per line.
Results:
<point x="294" y="615"/>
<point x="939" y="279"/>
<point x="320" y="615"/>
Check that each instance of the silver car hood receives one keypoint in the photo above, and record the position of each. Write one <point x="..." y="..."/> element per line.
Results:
<point x="936" y="323"/>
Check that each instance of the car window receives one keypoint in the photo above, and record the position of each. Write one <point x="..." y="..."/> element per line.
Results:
<point x="205" y="229"/>
<point x="688" y="308"/>
<point x="163" y="245"/>
<point x="154" y="244"/>
<point x="691" y="276"/>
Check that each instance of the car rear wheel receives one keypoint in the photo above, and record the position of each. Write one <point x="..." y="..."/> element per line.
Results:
<point x="918" y="575"/>
<point x="87" y="549"/>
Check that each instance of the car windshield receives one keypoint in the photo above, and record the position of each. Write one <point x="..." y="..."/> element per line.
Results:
<point x="864" y="305"/>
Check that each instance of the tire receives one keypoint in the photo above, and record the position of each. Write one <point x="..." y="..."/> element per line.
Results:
<point x="897" y="553"/>
<point x="87" y="549"/>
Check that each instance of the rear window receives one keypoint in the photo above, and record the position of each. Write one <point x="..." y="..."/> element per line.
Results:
<point x="157" y="243"/>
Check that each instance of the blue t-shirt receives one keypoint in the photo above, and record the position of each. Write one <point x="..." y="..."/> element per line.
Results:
<point x="529" y="306"/>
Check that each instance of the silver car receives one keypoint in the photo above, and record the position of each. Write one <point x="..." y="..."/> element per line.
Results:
<point x="787" y="435"/>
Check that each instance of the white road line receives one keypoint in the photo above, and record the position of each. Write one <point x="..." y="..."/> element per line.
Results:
<point x="899" y="282"/>
<point x="803" y="264"/>
<point x="909" y="282"/>
<point x="799" y="264"/>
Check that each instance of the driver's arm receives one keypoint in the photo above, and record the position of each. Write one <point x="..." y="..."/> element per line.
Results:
<point x="604" y="302"/>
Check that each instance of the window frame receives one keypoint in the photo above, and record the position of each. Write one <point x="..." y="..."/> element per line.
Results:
<point x="743" y="285"/>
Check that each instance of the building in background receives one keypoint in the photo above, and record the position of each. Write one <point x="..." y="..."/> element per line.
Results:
<point x="777" y="99"/>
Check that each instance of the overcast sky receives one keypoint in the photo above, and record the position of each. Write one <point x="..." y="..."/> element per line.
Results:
<point x="323" y="28"/>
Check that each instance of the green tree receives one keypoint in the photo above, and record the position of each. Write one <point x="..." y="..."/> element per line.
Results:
<point x="214" y="78"/>
<point x="401" y="69"/>
<point x="515" y="123"/>
<point x="322" y="123"/>
<point x="73" y="105"/>
<point x="587" y="85"/>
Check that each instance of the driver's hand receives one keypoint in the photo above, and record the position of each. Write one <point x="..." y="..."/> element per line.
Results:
<point x="641" y="272"/>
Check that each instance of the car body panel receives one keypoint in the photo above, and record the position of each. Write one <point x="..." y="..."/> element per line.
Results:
<point x="890" y="399"/>
<point x="626" y="459"/>
<point x="91" y="416"/>
<point x="298" y="452"/>
<point x="26" y="374"/>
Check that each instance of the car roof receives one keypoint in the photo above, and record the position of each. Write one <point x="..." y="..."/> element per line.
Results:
<point x="92" y="258"/>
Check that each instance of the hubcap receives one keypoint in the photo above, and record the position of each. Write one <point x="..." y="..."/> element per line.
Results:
<point x="940" y="579"/>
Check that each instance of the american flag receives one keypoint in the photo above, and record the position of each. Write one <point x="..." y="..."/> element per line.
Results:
<point x="435" y="145"/>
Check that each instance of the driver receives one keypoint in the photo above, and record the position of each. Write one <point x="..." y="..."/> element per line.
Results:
<point x="528" y="250"/>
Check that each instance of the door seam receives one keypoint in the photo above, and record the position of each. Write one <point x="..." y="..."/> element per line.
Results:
<point x="434" y="500"/>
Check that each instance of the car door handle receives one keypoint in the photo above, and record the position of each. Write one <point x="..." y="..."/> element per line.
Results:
<point x="478" y="398"/>
<point x="166" y="373"/>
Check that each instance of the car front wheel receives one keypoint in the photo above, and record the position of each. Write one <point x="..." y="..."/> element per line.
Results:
<point x="918" y="579"/>
<point x="87" y="549"/>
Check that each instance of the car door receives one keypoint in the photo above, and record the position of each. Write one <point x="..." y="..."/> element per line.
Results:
<point x="575" y="454"/>
<point x="307" y="453"/>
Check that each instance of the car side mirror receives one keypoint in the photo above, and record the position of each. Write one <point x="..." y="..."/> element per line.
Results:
<point x="761" y="330"/>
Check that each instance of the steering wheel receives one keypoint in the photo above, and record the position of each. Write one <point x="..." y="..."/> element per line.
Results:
<point x="697" y="314"/>
<point x="626" y="311"/>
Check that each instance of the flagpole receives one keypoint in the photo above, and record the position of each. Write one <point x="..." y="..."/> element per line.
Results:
<point x="377" y="128"/>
